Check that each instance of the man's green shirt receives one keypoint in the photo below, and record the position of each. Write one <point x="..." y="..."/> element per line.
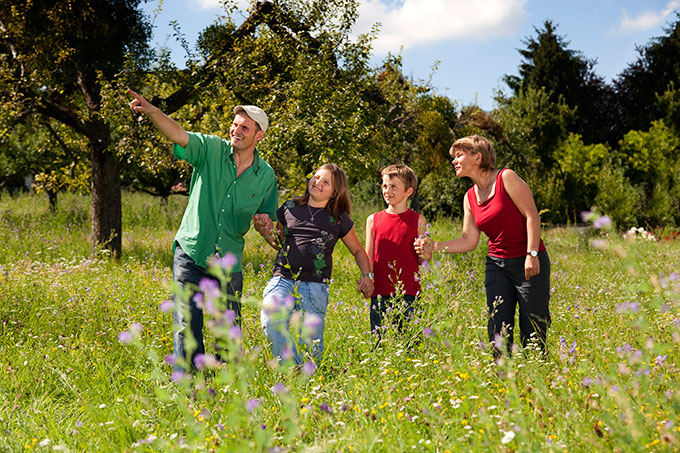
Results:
<point x="220" y="204"/>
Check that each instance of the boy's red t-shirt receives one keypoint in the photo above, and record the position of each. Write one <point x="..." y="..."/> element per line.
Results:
<point x="395" y="262"/>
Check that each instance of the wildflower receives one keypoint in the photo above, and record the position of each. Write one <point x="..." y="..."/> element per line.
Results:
<point x="324" y="407"/>
<point x="210" y="288"/>
<point x="229" y="317"/>
<point x="312" y="321"/>
<point x="167" y="306"/>
<point x="628" y="307"/>
<point x="585" y="215"/>
<point x="125" y="337"/>
<point x="600" y="244"/>
<point x="427" y="332"/>
<point x="508" y="436"/>
<point x="278" y="389"/>
<point x="202" y="361"/>
<point x="178" y="376"/>
<point x="309" y="368"/>
<point x="235" y="333"/>
<point x="602" y="222"/>
<point x="170" y="359"/>
<point x="587" y="381"/>
<point x="226" y="262"/>
<point x="252" y="404"/>
<point x="659" y="360"/>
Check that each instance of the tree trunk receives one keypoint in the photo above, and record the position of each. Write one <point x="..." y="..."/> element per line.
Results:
<point x="107" y="223"/>
<point x="52" y="198"/>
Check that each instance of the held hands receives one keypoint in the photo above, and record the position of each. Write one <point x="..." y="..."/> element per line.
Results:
<point x="366" y="287"/>
<point x="264" y="225"/>
<point x="424" y="247"/>
<point x="531" y="266"/>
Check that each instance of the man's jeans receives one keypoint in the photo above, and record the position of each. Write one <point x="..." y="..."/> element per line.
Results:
<point x="186" y="272"/>
<point x="281" y="298"/>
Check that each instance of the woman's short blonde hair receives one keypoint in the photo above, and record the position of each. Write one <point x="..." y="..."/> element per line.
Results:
<point x="476" y="144"/>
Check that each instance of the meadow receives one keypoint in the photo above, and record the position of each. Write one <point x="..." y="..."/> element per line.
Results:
<point x="83" y="348"/>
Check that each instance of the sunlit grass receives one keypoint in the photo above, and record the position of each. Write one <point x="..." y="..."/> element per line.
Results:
<point x="68" y="383"/>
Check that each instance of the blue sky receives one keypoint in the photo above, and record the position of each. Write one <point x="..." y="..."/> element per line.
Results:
<point x="473" y="43"/>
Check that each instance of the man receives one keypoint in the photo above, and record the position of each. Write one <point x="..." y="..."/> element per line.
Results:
<point x="229" y="185"/>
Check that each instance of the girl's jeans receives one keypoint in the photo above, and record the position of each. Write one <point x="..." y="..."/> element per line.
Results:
<point x="281" y="298"/>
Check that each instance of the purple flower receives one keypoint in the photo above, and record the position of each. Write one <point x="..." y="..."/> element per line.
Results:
<point x="210" y="288"/>
<point x="312" y="321"/>
<point x="252" y="404"/>
<point x="309" y="368"/>
<point x="628" y="307"/>
<point x="427" y="332"/>
<point x="659" y="360"/>
<point x="167" y="306"/>
<point x="170" y="359"/>
<point x="125" y="337"/>
<point x="235" y="333"/>
<point x="585" y="215"/>
<point x="324" y="407"/>
<point x="674" y="277"/>
<point x="177" y="376"/>
<point x="602" y="222"/>
<point x="229" y="317"/>
<point x="202" y="361"/>
<point x="287" y="353"/>
<point x="278" y="389"/>
<point x="226" y="262"/>
<point x="587" y="382"/>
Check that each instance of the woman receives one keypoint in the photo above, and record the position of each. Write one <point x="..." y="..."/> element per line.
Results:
<point x="500" y="204"/>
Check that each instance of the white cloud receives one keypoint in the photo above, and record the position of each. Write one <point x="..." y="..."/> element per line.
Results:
<point x="413" y="23"/>
<point x="647" y="19"/>
<point x="217" y="4"/>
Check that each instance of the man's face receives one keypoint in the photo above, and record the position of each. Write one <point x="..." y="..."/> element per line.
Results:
<point x="244" y="132"/>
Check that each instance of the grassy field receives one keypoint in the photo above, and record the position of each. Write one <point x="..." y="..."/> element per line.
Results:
<point x="68" y="382"/>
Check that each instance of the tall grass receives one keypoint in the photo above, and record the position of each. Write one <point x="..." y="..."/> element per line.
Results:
<point x="68" y="382"/>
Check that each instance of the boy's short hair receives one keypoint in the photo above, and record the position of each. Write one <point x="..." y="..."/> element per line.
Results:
<point x="404" y="173"/>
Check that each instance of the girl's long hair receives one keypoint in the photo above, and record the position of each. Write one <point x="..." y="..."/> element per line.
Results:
<point x="340" y="201"/>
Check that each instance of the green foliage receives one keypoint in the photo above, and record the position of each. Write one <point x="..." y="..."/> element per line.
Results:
<point x="651" y="160"/>
<point x="581" y="162"/>
<point x="534" y="125"/>
<point x="655" y="71"/>
<point x="83" y="344"/>
<point x="618" y="197"/>
<point x="567" y="77"/>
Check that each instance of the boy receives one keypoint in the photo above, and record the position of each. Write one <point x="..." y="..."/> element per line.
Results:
<point x="390" y="236"/>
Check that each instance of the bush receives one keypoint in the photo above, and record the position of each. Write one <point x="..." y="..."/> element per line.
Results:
<point x="617" y="197"/>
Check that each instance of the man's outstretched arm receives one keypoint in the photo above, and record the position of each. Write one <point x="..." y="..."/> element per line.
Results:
<point x="166" y="125"/>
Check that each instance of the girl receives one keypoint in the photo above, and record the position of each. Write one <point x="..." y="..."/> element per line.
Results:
<point x="306" y="232"/>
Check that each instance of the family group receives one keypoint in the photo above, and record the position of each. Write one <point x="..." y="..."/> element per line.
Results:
<point x="232" y="185"/>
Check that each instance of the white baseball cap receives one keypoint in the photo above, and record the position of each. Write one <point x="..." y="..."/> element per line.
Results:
<point x="256" y="114"/>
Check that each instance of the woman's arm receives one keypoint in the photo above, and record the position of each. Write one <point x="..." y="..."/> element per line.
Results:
<point x="352" y="243"/>
<point x="422" y="230"/>
<point x="521" y="196"/>
<point x="469" y="237"/>
<point x="370" y="243"/>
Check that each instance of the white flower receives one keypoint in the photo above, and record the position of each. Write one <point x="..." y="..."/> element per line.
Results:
<point x="507" y="437"/>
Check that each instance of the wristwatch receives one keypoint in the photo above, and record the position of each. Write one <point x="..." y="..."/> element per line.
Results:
<point x="369" y="275"/>
<point x="533" y="253"/>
